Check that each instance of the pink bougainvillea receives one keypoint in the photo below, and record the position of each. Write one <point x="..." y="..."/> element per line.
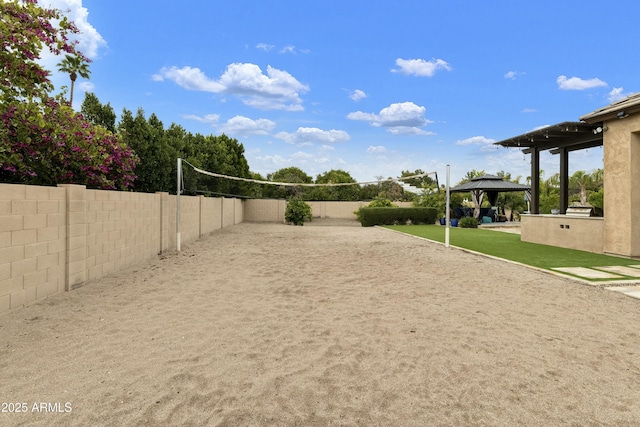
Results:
<point x="42" y="140"/>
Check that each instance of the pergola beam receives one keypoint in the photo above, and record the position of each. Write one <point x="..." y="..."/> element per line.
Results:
<point x="559" y="139"/>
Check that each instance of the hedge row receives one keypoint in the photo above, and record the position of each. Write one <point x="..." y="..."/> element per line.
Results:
<point x="389" y="216"/>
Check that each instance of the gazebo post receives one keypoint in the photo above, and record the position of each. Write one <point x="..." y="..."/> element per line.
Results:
<point x="535" y="181"/>
<point x="564" y="180"/>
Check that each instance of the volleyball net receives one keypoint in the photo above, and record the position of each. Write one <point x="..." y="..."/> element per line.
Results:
<point x="294" y="184"/>
<point x="195" y="180"/>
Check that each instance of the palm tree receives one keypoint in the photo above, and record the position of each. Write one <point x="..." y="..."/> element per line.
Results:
<point x="582" y="181"/>
<point x="75" y="66"/>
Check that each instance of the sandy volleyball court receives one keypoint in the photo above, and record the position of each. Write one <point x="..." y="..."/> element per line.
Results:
<point x="324" y="325"/>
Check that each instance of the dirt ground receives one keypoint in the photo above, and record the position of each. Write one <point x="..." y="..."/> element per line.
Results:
<point x="323" y="325"/>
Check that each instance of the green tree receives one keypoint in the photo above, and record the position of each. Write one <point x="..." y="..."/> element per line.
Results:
<point x="343" y="193"/>
<point x="369" y="191"/>
<point x="596" y="196"/>
<point x="290" y="174"/>
<point x="97" y="113"/>
<point x="470" y="175"/>
<point x="389" y="189"/>
<point x="146" y="138"/>
<point x="513" y="200"/>
<point x="74" y="65"/>
<point x="217" y="154"/>
<point x="256" y="191"/>
<point x="549" y="193"/>
<point x="421" y="182"/>
<point x="580" y="183"/>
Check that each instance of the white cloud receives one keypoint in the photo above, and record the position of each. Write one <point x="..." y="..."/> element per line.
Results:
<point x="189" y="78"/>
<point x="301" y="156"/>
<point x="86" y="87"/>
<point x="357" y="95"/>
<point x="420" y="67"/>
<point x="377" y="149"/>
<point x="529" y="110"/>
<point x="576" y="83"/>
<point x="408" y="130"/>
<point x="275" y="160"/>
<point x="511" y="75"/>
<point x="264" y="46"/>
<point x="307" y="136"/>
<point x="209" y="118"/>
<point x="283" y="50"/>
<point x="275" y="90"/>
<point x="486" y="144"/>
<point x="617" y="94"/>
<point x="288" y="49"/>
<point x="240" y="125"/>
<point x="399" y="118"/>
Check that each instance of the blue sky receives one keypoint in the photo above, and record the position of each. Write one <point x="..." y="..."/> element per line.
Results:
<point x="370" y="87"/>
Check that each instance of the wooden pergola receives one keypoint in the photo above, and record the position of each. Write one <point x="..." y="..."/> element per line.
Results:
<point x="561" y="139"/>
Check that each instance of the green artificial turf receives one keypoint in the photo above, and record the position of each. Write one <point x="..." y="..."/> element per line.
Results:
<point x="509" y="246"/>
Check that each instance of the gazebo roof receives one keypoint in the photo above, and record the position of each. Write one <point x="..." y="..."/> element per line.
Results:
<point x="570" y="135"/>
<point x="489" y="183"/>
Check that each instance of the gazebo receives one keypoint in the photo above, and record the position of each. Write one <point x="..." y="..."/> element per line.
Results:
<point x="490" y="185"/>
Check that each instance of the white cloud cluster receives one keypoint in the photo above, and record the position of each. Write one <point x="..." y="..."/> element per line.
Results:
<point x="376" y="149"/>
<point x="308" y="136"/>
<point x="209" y="118"/>
<point x="264" y="46"/>
<point x="486" y="144"/>
<point x="275" y="90"/>
<point x="357" y="95"/>
<point x="240" y="125"/>
<point x="576" y="83"/>
<point x="235" y="126"/>
<point x="398" y="118"/>
<point x="285" y="49"/>
<point x="420" y="67"/>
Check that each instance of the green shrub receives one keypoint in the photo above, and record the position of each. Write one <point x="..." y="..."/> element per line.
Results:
<point x="381" y="203"/>
<point x="297" y="211"/>
<point x="468" y="222"/>
<point x="375" y="203"/>
<point x="391" y="216"/>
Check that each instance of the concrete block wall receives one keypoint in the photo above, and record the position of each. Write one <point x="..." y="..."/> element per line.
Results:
<point x="189" y="218"/>
<point x="258" y="210"/>
<point x="54" y="239"/>
<point x="210" y="215"/>
<point x="122" y="229"/>
<point x="33" y="249"/>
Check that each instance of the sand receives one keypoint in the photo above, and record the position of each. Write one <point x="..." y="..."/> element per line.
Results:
<point x="268" y="324"/>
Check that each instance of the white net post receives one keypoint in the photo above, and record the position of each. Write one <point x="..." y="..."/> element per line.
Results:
<point x="448" y="214"/>
<point x="178" y="191"/>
